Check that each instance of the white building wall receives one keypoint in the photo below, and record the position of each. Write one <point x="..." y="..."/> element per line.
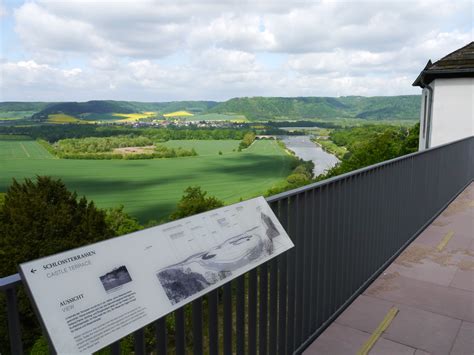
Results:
<point x="453" y="110"/>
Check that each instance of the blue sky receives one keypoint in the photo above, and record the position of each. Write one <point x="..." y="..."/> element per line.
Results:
<point x="213" y="50"/>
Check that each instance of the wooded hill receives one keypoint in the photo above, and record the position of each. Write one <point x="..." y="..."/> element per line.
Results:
<point x="253" y="108"/>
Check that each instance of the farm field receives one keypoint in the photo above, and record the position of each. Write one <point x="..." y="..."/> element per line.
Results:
<point x="20" y="151"/>
<point x="178" y="114"/>
<point x="62" y="118"/>
<point x="217" y="117"/>
<point x="150" y="189"/>
<point x="204" y="147"/>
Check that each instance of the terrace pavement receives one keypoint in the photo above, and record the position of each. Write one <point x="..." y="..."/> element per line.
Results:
<point x="430" y="289"/>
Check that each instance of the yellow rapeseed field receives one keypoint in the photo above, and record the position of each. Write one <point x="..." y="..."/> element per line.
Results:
<point x="178" y="114"/>
<point x="133" y="117"/>
<point x="62" y="118"/>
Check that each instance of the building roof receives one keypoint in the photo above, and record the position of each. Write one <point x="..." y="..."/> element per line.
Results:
<point x="458" y="64"/>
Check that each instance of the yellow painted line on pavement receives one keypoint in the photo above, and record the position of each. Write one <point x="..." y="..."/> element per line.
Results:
<point x="442" y="244"/>
<point x="364" y="350"/>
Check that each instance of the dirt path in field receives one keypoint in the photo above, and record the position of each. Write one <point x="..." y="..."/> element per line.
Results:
<point x="135" y="150"/>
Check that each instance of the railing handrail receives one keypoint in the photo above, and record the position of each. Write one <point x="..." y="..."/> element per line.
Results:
<point x="14" y="279"/>
<point x="9" y="281"/>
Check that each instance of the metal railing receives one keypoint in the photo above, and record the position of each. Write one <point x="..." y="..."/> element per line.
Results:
<point x="346" y="231"/>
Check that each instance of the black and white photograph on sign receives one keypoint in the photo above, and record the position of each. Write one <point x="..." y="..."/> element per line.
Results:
<point x="115" y="278"/>
<point x="199" y="271"/>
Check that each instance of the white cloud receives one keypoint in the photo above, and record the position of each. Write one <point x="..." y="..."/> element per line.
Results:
<point x="166" y="50"/>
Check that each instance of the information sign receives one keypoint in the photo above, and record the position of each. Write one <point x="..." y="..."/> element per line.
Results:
<point x="90" y="297"/>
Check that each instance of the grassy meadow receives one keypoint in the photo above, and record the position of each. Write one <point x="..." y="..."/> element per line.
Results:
<point x="150" y="188"/>
<point x="206" y="147"/>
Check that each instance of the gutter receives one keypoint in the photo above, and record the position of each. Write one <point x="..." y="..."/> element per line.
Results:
<point x="429" y="113"/>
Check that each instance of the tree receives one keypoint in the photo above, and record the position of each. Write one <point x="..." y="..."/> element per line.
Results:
<point x="40" y="218"/>
<point x="247" y="140"/>
<point x="375" y="145"/>
<point x="121" y="222"/>
<point x="195" y="201"/>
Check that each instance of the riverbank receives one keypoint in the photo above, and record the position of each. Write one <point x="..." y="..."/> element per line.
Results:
<point x="304" y="148"/>
<point x="330" y="147"/>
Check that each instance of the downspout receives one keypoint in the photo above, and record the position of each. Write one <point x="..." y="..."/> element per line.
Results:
<point x="429" y="113"/>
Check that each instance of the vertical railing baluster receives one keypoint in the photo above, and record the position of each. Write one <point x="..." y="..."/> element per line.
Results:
<point x="307" y="265"/>
<point x="299" y="269"/>
<point x="240" y="316"/>
<point x="197" y="326"/>
<point x="263" y="305"/>
<point x="314" y="260"/>
<point x="228" y="319"/>
<point x="252" y="313"/>
<point x="325" y="255"/>
<point x="115" y="348"/>
<point x="332" y="259"/>
<point x="139" y="341"/>
<point x="320" y="260"/>
<point x="292" y="222"/>
<point x="161" y="341"/>
<point x="180" y="335"/>
<point x="282" y="283"/>
<point x="263" y="311"/>
<point x="213" y="301"/>
<point x="273" y="306"/>
<point x="13" y="316"/>
<point x="344" y="258"/>
<point x="339" y="244"/>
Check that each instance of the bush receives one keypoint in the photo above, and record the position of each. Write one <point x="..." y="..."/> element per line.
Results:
<point x="195" y="201"/>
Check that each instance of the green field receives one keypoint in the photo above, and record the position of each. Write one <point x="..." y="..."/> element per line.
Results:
<point x="204" y="148"/>
<point x="15" y="115"/>
<point x="17" y="152"/>
<point x="150" y="189"/>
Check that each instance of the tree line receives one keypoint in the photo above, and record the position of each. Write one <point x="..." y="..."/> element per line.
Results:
<point x="103" y="148"/>
<point x="54" y="133"/>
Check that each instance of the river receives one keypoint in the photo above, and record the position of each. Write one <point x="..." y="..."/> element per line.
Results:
<point x="307" y="150"/>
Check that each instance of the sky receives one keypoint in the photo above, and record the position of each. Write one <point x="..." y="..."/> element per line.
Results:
<point x="146" y="50"/>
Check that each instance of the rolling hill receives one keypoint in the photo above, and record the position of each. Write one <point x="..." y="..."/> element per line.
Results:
<point x="253" y="108"/>
<point x="375" y="108"/>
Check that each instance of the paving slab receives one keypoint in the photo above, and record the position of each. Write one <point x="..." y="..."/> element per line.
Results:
<point x="341" y="340"/>
<point x="448" y="301"/>
<point x="365" y="313"/>
<point x="464" y="343"/>
<point x="423" y="330"/>
<point x="464" y="276"/>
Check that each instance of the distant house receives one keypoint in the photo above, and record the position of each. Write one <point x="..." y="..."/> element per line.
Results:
<point x="447" y="105"/>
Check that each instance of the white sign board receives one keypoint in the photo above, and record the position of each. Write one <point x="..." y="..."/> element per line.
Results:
<point x="89" y="297"/>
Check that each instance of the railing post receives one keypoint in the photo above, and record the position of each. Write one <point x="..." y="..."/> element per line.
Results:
<point x="14" y="330"/>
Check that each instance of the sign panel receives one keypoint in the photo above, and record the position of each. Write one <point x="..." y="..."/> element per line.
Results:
<point x="89" y="297"/>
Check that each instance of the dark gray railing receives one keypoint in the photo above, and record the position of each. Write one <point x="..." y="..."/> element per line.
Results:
<point x="346" y="231"/>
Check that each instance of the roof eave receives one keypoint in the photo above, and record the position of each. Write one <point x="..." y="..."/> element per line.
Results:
<point x="427" y="76"/>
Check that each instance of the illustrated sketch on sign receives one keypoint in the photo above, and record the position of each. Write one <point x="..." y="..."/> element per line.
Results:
<point x="199" y="271"/>
<point x="115" y="278"/>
